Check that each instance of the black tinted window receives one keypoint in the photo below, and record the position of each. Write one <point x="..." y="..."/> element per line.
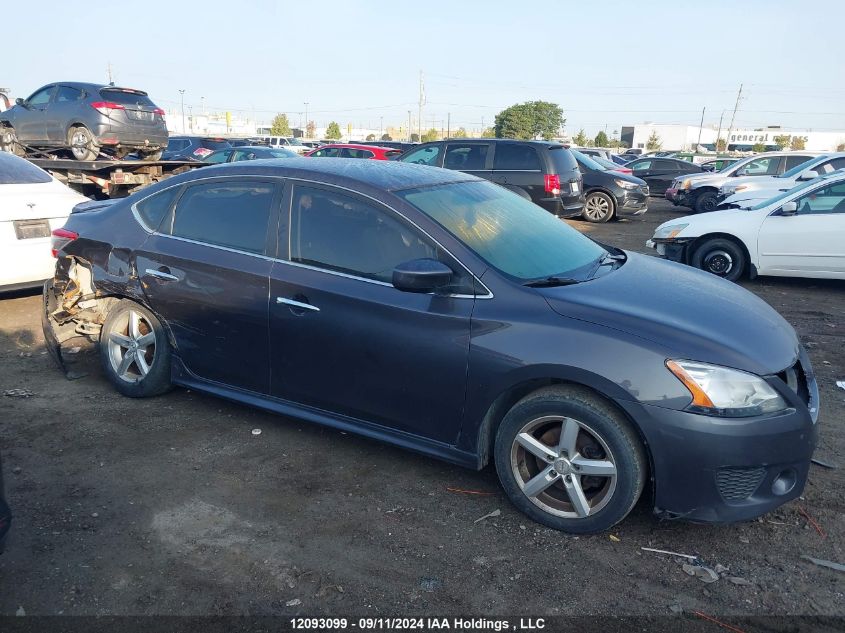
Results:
<point x="562" y="159"/>
<point x="351" y="152"/>
<point x="125" y="97"/>
<point x="794" y="161"/>
<point x="666" y="165"/>
<point x="17" y="171"/>
<point x="428" y="155"/>
<point x="339" y="232"/>
<point x="512" y="156"/>
<point x="177" y="144"/>
<point x="154" y="209"/>
<point x="66" y="94"/>
<point x="467" y="157"/>
<point x="233" y="214"/>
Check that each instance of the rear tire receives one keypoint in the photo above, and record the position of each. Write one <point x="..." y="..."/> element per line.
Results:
<point x="134" y="351"/>
<point x="569" y="460"/>
<point x="9" y="141"/>
<point x="598" y="207"/>
<point x="81" y="143"/>
<point x="150" y="155"/>
<point x="721" y="257"/>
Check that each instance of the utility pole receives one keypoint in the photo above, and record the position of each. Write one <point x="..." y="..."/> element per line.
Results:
<point x="380" y="127"/>
<point x="733" y="116"/>
<point x="306" y="116"/>
<point x="409" y="126"/>
<point x="482" y="126"/>
<point x="701" y="125"/>
<point x="202" y="104"/>
<point x="719" y="133"/>
<point x="421" y="104"/>
<point x="448" y="124"/>
<point x="182" y="99"/>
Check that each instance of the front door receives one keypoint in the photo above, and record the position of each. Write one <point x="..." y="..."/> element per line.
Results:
<point x="344" y="340"/>
<point x="206" y="271"/>
<point x="518" y="166"/>
<point x="30" y="125"/>
<point x="811" y="240"/>
<point x="473" y="158"/>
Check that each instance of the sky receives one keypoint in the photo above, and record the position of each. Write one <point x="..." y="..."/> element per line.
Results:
<point x="606" y="63"/>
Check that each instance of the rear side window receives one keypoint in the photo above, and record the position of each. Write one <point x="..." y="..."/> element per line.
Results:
<point x="831" y="166"/>
<point x="153" y="210"/>
<point x="17" y="171"/>
<point x="234" y="214"/>
<point x="125" y="97"/>
<point x="351" y="152"/>
<point x="67" y="94"/>
<point x="428" y="155"/>
<point x="471" y="156"/>
<point x="515" y="157"/>
<point x="177" y="144"/>
<point x="327" y="152"/>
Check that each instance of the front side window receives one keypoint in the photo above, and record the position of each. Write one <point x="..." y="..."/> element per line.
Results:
<point x="470" y="156"/>
<point x="218" y="157"/>
<point x="428" y="155"/>
<point x="232" y="213"/>
<point x="640" y="165"/>
<point x="339" y="232"/>
<point x="351" y="152"/>
<point x="829" y="199"/>
<point x="512" y="234"/>
<point x="767" y="166"/>
<point x="42" y="97"/>
<point x="515" y="157"/>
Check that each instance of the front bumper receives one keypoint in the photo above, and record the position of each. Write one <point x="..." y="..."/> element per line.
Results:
<point x="565" y="206"/>
<point x="633" y="202"/>
<point x="723" y="470"/>
<point x="672" y="195"/>
<point x="673" y="250"/>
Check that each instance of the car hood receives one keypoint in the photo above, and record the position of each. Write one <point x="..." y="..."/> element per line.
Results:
<point x="748" y="198"/>
<point x="691" y="314"/>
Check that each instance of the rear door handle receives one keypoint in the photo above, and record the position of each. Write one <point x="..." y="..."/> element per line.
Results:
<point x="159" y="274"/>
<point x="297" y="304"/>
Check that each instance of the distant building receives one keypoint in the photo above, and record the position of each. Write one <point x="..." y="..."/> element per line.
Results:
<point x="685" y="137"/>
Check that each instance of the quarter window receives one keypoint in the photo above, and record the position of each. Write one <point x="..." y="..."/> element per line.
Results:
<point x="515" y="157"/>
<point x="339" y="232"/>
<point x="233" y="214"/>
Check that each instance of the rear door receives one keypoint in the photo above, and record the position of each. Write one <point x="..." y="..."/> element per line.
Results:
<point x="662" y="173"/>
<point x="343" y="339"/>
<point x="473" y="158"/>
<point x="206" y="271"/>
<point x="61" y="111"/>
<point x="518" y="165"/>
<point x="812" y="241"/>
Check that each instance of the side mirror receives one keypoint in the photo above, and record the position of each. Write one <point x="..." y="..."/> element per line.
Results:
<point x="20" y="102"/>
<point x="421" y="275"/>
<point x="740" y="172"/>
<point x="808" y="175"/>
<point x="789" y="208"/>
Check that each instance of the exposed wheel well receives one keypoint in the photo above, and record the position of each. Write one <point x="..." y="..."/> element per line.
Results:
<point x="506" y="400"/>
<point x="693" y="246"/>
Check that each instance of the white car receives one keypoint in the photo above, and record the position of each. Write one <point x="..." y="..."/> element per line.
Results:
<point x="32" y="205"/>
<point x="798" y="233"/>
<point x="818" y="166"/>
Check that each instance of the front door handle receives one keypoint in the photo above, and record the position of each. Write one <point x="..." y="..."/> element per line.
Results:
<point x="161" y="275"/>
<point x="297" y="304"/>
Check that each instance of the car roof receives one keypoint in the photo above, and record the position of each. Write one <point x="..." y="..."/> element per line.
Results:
<point x="496" y="140"/>
<point x="93" y="86"/>
<point x="385" y="175"/>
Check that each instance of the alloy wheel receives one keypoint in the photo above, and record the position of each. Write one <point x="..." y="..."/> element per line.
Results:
<point x="563" y="466"/>
<point x="596" y="207"/>
<point x="80" y="142"/>
<point x="131" y="346"/>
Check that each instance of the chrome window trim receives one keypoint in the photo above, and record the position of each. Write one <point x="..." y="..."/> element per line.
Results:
<point x="283" y="180"/>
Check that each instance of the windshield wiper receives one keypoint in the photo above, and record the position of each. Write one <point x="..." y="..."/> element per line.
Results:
<point x="549" y="282"/>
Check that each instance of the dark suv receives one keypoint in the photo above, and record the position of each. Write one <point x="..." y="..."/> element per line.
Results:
<point x="544" y="172"/>
<point x="86" y="119"/>
<point x="193" y="147"/>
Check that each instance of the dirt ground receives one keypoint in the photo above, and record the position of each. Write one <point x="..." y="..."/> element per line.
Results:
<point x="173" y="506"/>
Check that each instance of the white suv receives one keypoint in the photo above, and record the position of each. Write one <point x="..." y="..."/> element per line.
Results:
<point x="286" y="142"/>
<point x="799" y="233"/>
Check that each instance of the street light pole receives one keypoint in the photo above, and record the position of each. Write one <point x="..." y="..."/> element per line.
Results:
<point x="182" y="99"/>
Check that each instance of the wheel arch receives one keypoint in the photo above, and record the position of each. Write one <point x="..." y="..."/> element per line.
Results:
<point x="605" y="191"/>
<point x="697" y="242"/>
<point x="598" y="386"/>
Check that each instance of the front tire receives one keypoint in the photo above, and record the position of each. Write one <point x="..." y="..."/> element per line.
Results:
<point x="150" y="155"/>
<point x="9" y="141"/>
<point x="134" y="351"/>
<point x="598" y="207"/>
<point x="81" y="143"/>
<point x="721" y="257"/>
<point x="705" y="202"/>
<point x="569" y="460"/>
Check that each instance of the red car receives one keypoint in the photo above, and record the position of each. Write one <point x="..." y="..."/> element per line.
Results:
<point x="351" y="150"/>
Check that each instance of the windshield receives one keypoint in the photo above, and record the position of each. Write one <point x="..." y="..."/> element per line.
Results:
<point x="126" y="97"/>
<point x="586" y="161"/>
<point x="512" y="234"/>
<point x="607" y="164"/>
<point x="792" y="173"/>
<point x="282" y="153"/>
<point x="785" y="194"/>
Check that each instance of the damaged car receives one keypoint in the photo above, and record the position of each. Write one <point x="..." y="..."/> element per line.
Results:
<point x="444" y="314"/>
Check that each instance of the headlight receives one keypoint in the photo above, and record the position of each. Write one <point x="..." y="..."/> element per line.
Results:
<point x="727" y="191"/>
<point x="668" y="232"/>
<point x="686" y="184"/>
<point x="740" y="188"/>
<point x="725" y="392"/>
<point x="626" y="185"/>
